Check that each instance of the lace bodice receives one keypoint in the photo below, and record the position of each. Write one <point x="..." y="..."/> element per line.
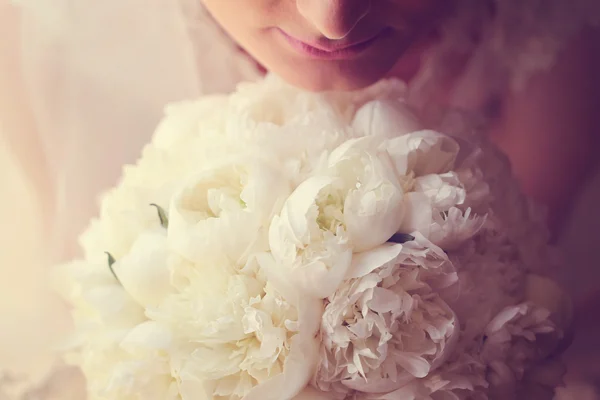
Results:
<point x="98" y="73"/>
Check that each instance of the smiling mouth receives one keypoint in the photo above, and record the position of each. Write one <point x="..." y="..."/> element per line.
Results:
<point x="333" y="50"/>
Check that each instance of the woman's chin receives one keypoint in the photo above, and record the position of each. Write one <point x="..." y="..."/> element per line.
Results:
<point x="346" y="75"/>
<point x="337" y="77"/>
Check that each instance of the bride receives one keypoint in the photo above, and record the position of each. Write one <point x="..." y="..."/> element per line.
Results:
<point x="83" y="83"/>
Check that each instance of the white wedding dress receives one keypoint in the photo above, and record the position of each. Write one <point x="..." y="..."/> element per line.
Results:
<point x="84" y="82"/>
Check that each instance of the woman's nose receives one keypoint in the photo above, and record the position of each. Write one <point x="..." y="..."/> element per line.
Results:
<point x="335" y="19"/>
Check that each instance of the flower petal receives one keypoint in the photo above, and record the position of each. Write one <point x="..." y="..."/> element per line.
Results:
<point x="366" y="262"/>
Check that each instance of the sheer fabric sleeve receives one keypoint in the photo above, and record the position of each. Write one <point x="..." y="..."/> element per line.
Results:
<point x="83" y="84"/>
<point x="26" y="200"/>
<point x="98" y="75"/>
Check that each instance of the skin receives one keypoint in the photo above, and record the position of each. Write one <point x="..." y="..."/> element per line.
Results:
<point x="548" y="130"/>
<point x="256" y="25"/>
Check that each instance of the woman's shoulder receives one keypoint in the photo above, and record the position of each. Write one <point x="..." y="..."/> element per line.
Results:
<point x="494" y="47"/>
<point x="529" y="35"/>
<point x="549" y="126"/>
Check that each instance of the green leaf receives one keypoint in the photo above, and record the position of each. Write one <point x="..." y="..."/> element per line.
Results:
<point x="111" y="262"/>
<point x="401" y="238"/>
<point x="162" y="215"/>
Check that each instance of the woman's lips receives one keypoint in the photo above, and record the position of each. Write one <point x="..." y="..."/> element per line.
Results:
<point x="332" y="50"/>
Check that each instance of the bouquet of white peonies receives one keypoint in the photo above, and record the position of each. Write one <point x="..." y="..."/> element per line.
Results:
<point x="277" y="244"/>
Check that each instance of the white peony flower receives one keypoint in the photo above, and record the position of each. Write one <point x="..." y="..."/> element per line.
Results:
<point x="373" y="207"/>
<point x="444" y="191"/>
<point x="521" y="339"/>
<point x="308" y="241"/>
<point x="145" y="372"/>
<point x="268" y="275"/>
<point x="356" y="206"/>
<point x="434" y="210"/>
<point x="516" y="340"/>
<point x="144" y="271"/>
<point x="463" y="379"/>
<point x="423" y="153"/>
<point x="437" y="199"/>
<point x="277" y="103"/>
<point x="386" y="118"/>
<point x="386" y="326"/>
<point x="239" y="339"/>
<point x="108" y="319"/>
<point x="451" y="229"/>
<point x="224" y="211"/>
